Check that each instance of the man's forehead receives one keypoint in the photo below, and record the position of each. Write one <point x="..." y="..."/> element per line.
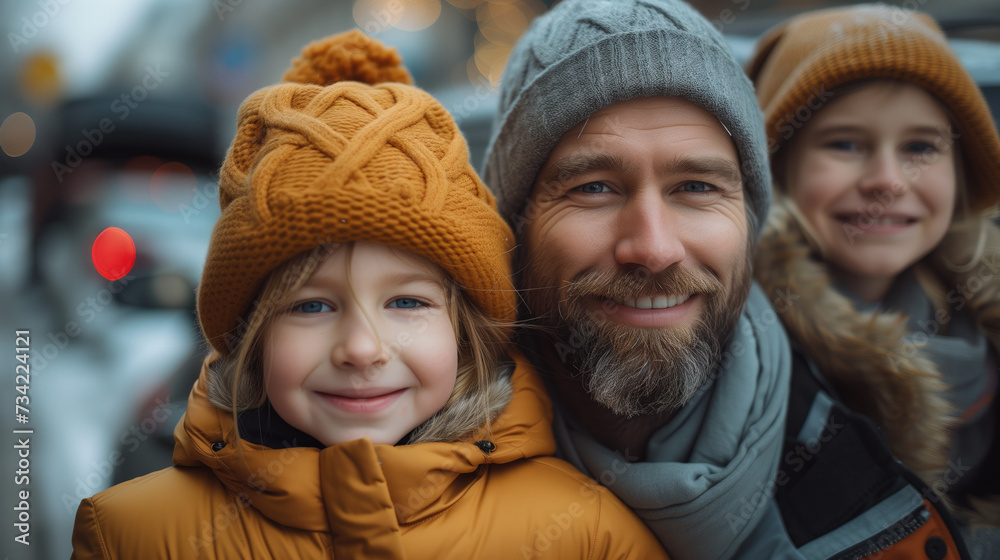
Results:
<point x="578" y="150"/>
<point x="673" y="107"/>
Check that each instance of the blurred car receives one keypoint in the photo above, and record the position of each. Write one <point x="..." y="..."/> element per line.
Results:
<point x="119" y="356"/>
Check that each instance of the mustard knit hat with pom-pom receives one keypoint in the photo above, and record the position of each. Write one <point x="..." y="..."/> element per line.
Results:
<point x="346" y="150"/>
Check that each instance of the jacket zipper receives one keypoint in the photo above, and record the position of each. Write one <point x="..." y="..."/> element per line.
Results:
<point x="896" y="532"/>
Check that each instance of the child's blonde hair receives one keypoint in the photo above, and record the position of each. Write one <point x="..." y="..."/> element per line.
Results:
<point x="237" y="382"/>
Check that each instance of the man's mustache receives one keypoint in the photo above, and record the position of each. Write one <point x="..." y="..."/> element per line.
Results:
<point x="617" y="284"/>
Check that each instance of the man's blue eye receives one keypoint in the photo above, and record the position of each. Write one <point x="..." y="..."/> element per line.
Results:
<point x="406" y="303"/>
<point x="697" y="187"/>
<point x="593" y="188"/>
<point x="312" y="307"/>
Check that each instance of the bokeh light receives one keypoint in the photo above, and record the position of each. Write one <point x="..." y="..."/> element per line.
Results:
<point x="17" y="134"/>
<point x="376" y="16"/>
<point x="490" y="59"/>
<point x="419" y="14"/>
<point x="39" y="80"/>
<point x="501" y="23"/>
<point x="466" y="4"/>
<point x="113" y="253"/>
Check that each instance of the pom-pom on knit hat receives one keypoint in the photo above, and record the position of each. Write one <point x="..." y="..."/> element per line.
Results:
<point x="345" y="150"/>
<point x="799" y="63"/>
<point x="585" y="55"/>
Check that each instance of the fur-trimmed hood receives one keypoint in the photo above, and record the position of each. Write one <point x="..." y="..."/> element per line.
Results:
<point x="862" y="354"/>
<point x="866" y="356"/>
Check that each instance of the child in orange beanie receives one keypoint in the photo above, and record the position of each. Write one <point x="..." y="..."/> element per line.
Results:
<point x="358" y="402"/>
<point x="887" y="162"/>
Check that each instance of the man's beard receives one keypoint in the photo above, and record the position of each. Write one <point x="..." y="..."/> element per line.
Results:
<point x="632" y="370"/>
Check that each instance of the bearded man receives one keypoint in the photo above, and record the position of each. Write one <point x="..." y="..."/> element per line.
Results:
<point x="629" y="157"/>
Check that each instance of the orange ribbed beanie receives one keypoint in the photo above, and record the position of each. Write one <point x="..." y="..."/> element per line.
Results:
<point x="797" y="64"/>
<point x="328" y="157"/>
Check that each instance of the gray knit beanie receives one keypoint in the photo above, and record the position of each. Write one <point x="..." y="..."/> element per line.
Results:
<point x="584" y="55"/>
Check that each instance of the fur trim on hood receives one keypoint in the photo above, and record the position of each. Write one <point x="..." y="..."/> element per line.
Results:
<point x="862" y="354"/>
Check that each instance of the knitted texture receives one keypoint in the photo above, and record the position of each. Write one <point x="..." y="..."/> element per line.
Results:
<point x="798" y="63"/>
<point x="584" y="55"/>
<point x="337" y="161"/>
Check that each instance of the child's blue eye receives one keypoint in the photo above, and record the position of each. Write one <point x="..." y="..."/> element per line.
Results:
<point x="406" y="303"/>
<point x="844" y="145"/>
<point x="312" y="307"/>
<point x="921" y="148"/>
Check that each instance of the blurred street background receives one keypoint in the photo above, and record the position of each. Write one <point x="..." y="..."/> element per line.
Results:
<point x="118" y="113"/>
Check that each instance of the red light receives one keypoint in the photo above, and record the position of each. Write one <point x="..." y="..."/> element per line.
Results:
<point x="113" y="253"/>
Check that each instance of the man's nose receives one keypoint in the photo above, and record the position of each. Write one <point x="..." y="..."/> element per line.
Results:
<point x="648" y="235"/>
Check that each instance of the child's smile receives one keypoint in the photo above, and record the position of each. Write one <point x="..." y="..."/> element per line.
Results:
<point x="874" y="173"/>
<point x="373" y="355"/>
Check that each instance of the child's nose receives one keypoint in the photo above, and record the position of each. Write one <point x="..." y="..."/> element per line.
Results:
<point x="358" y="347"/>
<point x="885" y="173"/>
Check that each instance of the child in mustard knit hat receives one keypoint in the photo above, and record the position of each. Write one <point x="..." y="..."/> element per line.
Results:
<point x="358" y="402"/>
<point x="887" y="162"/>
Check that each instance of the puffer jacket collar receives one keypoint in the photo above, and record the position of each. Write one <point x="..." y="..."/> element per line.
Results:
<point x="359" y="488"/>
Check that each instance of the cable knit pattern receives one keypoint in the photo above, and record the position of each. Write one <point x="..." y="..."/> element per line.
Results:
<point x="317" y="164"/>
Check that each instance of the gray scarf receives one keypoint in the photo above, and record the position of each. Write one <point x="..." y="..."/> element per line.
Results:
<point x="710" y="470"/>
<point x="961" y="352"/>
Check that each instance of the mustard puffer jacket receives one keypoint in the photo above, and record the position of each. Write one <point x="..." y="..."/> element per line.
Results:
<point x="360" y="500"/>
